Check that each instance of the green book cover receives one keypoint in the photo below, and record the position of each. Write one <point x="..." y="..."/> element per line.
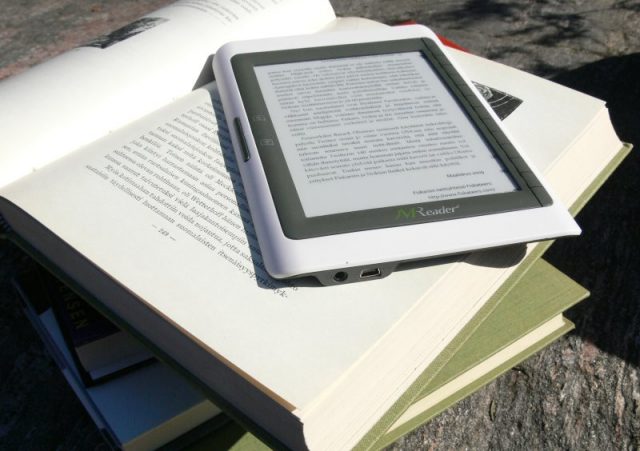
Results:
<point x="544" y="293"/>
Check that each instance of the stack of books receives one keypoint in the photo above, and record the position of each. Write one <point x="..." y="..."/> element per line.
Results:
<point x="136" y="205"/>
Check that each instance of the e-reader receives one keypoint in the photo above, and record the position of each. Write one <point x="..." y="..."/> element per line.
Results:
<point x="361" y="150"/>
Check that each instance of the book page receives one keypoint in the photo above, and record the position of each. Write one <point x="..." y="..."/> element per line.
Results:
<point x="560" y="130"/>
<point x="79" y="96"/>
<point x="159" y="206"/>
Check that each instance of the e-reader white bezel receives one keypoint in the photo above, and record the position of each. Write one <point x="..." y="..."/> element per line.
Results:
<point x="348" y="244"/>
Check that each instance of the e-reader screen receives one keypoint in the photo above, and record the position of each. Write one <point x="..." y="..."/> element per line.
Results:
<point x="375" y="131"/>
<point x="353" y="137"/>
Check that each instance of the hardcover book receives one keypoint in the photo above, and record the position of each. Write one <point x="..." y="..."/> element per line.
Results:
<point x="100" y="349"/>
<point x="141" y="409"/>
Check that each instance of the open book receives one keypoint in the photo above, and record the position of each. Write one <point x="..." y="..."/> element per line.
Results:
<point x="142" y="213"/>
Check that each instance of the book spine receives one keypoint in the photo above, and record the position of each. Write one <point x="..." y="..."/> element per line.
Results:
<point x="5" y="228"/>
<point x="46" y="339"/>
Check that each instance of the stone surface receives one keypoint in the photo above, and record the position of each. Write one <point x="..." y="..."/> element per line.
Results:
<point x="580" y="393"/>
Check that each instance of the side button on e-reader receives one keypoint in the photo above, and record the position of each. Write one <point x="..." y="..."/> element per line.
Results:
<point x="243" y="142"/>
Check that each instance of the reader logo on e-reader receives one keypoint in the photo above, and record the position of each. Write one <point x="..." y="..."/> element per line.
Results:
<point x="417" y="212"/>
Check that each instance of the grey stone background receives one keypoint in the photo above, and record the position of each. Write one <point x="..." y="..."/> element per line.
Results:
<point x="580" y="393"/>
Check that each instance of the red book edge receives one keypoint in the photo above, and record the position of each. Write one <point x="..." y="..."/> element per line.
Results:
<point x="445" y="41"/>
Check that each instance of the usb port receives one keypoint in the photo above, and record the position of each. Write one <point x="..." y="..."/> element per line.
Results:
<point x="370" y="273"/>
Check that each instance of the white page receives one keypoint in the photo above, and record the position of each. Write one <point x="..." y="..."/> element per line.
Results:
<point x="171" y="233"/>
<point x="562" y="110"/>
<point x="79" y="96"/>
